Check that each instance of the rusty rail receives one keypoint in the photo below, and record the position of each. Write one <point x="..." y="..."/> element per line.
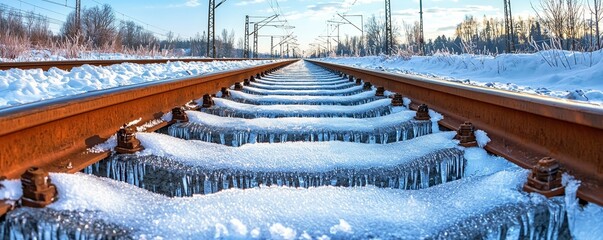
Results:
<point x="523" y="127"/>
<point x="55" y="134"/>
<point x="66" y="65"/>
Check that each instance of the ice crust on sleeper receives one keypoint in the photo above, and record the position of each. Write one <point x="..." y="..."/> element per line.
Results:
<point x="293" y="156"/>
<point x="368" y="211"/>
<point x="339" y="92"/>
<point x="302" y="110"/>
<point x="314" y="100"/>
<point x="302" y="87"/>
<point x="268" y="81"/>
<point x="398" y="116"/>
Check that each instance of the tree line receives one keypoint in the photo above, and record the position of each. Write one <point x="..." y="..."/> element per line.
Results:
<point x="557" y="24"/>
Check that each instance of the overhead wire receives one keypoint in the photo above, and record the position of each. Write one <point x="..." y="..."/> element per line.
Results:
<point x="139" y="21"/>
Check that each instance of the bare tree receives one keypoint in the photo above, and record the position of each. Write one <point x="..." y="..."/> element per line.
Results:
<point x="574" y="21"/>
<point x="552" y="15"/>
<point x="595" y="9"/>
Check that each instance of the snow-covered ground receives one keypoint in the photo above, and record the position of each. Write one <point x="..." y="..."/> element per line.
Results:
<point x="19" y="86"/>
<point x="561" y="74"/>
<point x="63" y="55"/>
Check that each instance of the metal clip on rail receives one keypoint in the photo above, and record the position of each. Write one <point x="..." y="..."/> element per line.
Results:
<point x="225" y="92"/>
<point x="358" y="81"/>
<point x="179" y="113"/>
<point x="545" y="178"/>
<point x="351" y="78"/>
<point x="367" y="86"/>
<point x="397" y="100"/>
<point x="238" y="86"/>
<point x="380" y="92"/>
<point x="38" y="191"/>
<point x="207" y="101"/>
<point x="422" y="113"/>
<point x="126" y="141"/>
<point x="466" y="135"/>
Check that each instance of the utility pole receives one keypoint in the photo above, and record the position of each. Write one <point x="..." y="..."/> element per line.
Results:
<point x="255" y="40"/>
<point x="388" y="28"/>
<point x="421" y="36"/>
<point x="211" y="28"/>
<point x="78" y="14"/>
<point x="271" y="46"/>
<point x="246" y="48"/>
<point x="509" y="26"/>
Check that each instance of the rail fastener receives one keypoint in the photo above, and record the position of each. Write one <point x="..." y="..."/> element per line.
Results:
<point x="397" y="100"/>
<point x="422" y="113"/>
<point x="367" y="86"/>
<point x="358" y="81"/>
<point x="225" y="92"/>
<point x="545" y="178"/>
<point x="126" y="140"/>
<point x="466" y="135"/>
<point x="380" y="92"/>
<point x="179" y="114"/>
<point x="238" y="86"/>
<point x="38" y="190"/>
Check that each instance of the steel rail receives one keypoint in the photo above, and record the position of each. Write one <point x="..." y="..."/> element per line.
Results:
<point x="56" y="134"/>
<point x="66" y="65"/>
<point x="523" y="127"/>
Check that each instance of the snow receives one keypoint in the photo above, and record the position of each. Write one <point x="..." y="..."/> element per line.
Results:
<point x="314" y="100"/>
<point x="37" y="55"/>
<point x="302" y="87"/>
<point x="399" y="115"/>
<point x="19" y="86"/>
<point x="268" y="81"/>
<point x="480" y="163"/>
<point x="347" y="91"/>
<point x="584" y="222"/>
<point x="269" y="212"/>
<point x="11" y="190"/>
<point x="561" y="74"/>
<point x="294" y="110"/>
<point x="293" y="156"/>
<point x="481" y="138"/>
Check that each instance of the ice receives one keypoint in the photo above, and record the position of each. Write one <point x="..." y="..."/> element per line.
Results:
<point x="268" y="81"/>
<point x="481" y="138"/>
<point x="176" y="167"/>
<point x="584" y="222"/>
<point x="26" y="86"/>
<point x="356" y="99"/>
<point x="480" y="163"/>
<point x="11" y="190"/>
<point x="398" y="126"/>
<point x="340" y="92"/>
<point x="303" y="87"/>
<point x="229" y="108"/>
<point x="472" y="208"/>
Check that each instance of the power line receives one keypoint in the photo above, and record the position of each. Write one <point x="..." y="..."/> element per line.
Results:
<point x="137" y="20"/>
<point x="60" y="4"/>
<point x="36" y="6"/>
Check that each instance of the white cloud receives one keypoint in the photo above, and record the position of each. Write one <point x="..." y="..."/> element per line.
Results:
<point x="248" y="2"/>
<point x="192" y="3"/>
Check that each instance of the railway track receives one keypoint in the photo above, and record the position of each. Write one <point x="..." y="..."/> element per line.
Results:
<point x="308" y="125"/>
<point x="66" y="65"/>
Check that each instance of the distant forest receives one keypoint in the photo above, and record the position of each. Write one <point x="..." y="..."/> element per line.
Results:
<point x="557" y="24"/>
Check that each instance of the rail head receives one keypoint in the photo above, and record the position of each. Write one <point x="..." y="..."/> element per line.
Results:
<point x="57" y="133"/>
<point x="523" y="127"/>
<point x="562" y="109"/>
<point x="68" y="64"/>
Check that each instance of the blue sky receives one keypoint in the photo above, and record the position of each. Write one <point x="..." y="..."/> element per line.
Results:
<point x="189" y="17"/>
